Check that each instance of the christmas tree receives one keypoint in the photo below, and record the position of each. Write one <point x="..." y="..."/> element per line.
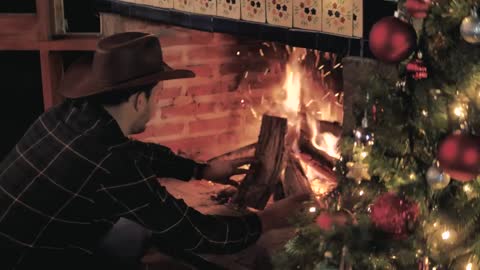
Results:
<point x="408" y="194"/>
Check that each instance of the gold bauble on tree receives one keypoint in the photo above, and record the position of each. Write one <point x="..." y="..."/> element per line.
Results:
<point x="470" y="28"/>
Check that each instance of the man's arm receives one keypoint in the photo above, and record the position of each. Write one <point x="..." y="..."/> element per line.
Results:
<point x="165" y="163"/>
<point x="135" y="193"/>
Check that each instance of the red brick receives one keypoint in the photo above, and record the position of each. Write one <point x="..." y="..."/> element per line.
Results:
<point x="205" y="89"/>
<point x="167" y="129"/>
<point x="214" y="124"/>
<point x="218" y="52"/>
<point x="169" y="92"/>
<point x="243" y="66"/>
<point x="193" y="142"/>
<point x="201" y="70"/>
<point x="205" y="108"/>
<point x="230" y="137"/>
<point x="179" y="111"/>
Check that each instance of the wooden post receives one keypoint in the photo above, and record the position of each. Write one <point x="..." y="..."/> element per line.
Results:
<point x="52" y="72"/>
<point x="260" y="182"/>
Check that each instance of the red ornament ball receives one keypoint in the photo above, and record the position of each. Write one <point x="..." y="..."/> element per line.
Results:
<point x="459" y="156"/>
<point x="327" y="221"/>
<point x="394" y="215"/>
<point x="392" y="40"/>
<point x="418" y="8"/>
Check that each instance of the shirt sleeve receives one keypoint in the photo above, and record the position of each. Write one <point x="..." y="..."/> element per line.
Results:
<point x="137" y="195"/>
<point x="164" y="162"/>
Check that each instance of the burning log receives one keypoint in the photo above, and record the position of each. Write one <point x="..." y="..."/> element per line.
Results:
<point x="295" y="180"/>
<point x="260" y="182"/>
<point x="242" y="152"/>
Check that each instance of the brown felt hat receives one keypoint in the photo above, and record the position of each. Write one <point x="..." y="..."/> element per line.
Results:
<point x="121" y="61"/>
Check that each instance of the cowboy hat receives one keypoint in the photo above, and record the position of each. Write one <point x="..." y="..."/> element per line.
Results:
<point x="120" y="62"/>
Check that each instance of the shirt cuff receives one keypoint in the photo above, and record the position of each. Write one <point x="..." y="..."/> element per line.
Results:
<point x="198" y="171"/>
<point x="254" y="224"/>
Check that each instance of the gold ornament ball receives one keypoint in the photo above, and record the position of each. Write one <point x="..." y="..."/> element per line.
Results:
<point x="470" y="28"/>
<point x="437" y="179"/>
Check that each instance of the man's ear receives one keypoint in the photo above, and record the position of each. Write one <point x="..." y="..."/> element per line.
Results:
<point x="140" y="101"/>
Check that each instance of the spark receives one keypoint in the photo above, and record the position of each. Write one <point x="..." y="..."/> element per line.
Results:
<point x="321" y="67"/>
<point x="361" y="193"/>
<point x="261" y="53"/>
<point x="309" y="103"/>
<point x="246" y="74"/>
<point x="238" y="52"/>
<point x="312" y="209"/>
<point x="337" y="65"/>
<point x="327" y="74"/>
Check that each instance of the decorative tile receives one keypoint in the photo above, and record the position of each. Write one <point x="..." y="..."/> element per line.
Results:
<point x="156" y="3"/>
<point x="337" y="17"/>
<point x="228" y="8"/>
<point x="184" y="5"/>
<point x="307" y="14"/>
<point x="253" y="10"/>
<point x="206" y="7"/>
<point x="357" y="17"/>
<point x="279" y="12"/>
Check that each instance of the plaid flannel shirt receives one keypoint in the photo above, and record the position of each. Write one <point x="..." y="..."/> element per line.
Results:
<point x="74" y="174"/>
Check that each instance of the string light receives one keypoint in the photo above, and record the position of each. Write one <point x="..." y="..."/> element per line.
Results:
<point x="446" y="235"/>
<point x="469" y="266"/>
<point x="459" y="111"/>
<point x="361" y="193"/>
<point x="412" y="176"/>
<point x="312" y="209"/>
<point x="425" y="113"/>
<point x="364" y="154"/>
<point x="467" y="188"/>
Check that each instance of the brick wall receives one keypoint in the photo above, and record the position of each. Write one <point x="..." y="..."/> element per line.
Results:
<point x="219" y="110"/>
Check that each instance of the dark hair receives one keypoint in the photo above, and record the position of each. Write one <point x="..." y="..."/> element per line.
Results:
<point x="119" y="96"/>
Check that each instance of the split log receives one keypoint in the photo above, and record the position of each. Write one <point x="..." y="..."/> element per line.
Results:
<point x="295" y="180"/>
<point x="261" y="180"/>
<point x="242" y="152"/>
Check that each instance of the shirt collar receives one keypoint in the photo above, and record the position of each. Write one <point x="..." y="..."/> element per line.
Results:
<point x="93" y="120"/>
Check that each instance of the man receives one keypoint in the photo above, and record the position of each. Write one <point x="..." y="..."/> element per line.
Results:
<point x="75" y="172"/>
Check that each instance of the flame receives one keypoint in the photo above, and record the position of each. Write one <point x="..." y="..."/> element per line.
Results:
<point x="292" y="88"/>
<point x="326" y="141"/>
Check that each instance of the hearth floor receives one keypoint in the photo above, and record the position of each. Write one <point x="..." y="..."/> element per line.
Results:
<point x="197" y="195"/>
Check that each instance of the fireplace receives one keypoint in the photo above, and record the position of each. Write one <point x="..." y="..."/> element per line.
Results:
<point x="238" y="81"/>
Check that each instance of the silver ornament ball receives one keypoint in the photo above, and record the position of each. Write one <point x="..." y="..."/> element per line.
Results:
<point x="437" y="179"/>
<point x="470" y="28"/>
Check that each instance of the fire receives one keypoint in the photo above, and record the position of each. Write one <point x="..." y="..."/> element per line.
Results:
<point x="292" y="87"/>
<point x="298" y="104"/>
<point x="326" y="141"/>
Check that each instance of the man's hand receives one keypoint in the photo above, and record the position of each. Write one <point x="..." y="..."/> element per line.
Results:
<point x="220" y="171"/>
<point x="277" y="215"/>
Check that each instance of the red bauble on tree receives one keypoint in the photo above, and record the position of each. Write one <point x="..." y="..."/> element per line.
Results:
<point x="394" y="215"/>
<point x="418" y="8"/>
<point x="327" y="221"/>
<point x="417" y="68"/>
<point x="459" y="156"/>
<point x="392" y="40"/>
